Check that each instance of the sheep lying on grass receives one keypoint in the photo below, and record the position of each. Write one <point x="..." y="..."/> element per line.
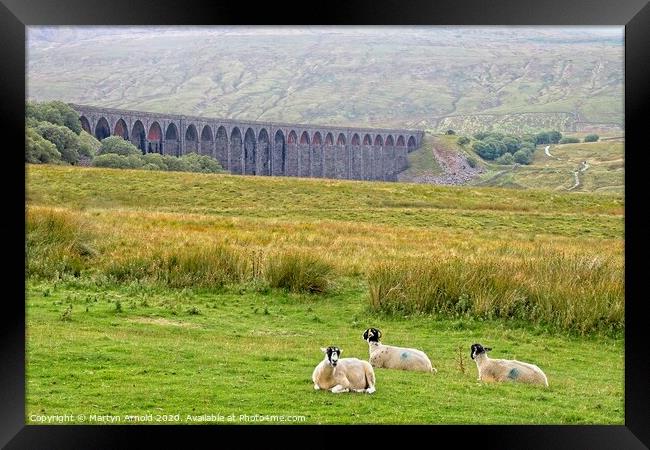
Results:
<point x="505" y="369"/>
<point x="390" y="357"/>
<point x="343" y="375"/>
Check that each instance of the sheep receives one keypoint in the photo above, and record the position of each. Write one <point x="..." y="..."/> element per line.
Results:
<point x="344" y="374"/>
<point x="390" y="357"/>
<point x="505" y="369"/>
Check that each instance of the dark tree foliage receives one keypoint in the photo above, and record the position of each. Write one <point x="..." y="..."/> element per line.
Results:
<point x="55" y="112"/>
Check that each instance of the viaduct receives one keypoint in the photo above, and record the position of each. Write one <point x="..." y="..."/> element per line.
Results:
<point x="261" y="148"/>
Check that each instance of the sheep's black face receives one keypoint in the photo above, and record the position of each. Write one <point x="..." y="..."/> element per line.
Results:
<point x="476" y="350"/>
<point x="333" y="354"/>
<point x="372" y="335"/>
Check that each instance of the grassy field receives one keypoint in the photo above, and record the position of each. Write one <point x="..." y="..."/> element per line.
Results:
<point x="245" y="353"/>
<point x="152" y="293"/>
<point x="421" y="161"/>
<point x="604" y="174"/>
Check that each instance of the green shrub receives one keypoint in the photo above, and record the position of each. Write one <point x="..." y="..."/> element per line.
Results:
<point x="569" y="140"/>
<point x="154" y="159"/>
<point x="505" y="159"/>
<point x="118" y="146"/>
<point x="299" y="272"/>
<point x="472" y="162"/>
<point x="591" y="138"/>
<point x="88" y="145"/>
<point x="38" y="149"/>
<point x="201" y="163"/>
<point x="115" y="161"/>
<point x="463" y="140"/>
<point x="486" y="150"/>
<point x="150" y="166"/>
<point x="55" y="112"/>
<point x="523" y="157"/>
<point x="175" y="164"/>
<point x="67" y="143"/>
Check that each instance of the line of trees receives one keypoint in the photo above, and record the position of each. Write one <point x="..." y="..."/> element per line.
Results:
<point x="53" y="135"/>
<point x="507" y="148"/>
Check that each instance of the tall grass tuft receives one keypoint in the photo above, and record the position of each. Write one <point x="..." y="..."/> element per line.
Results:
<point x="299" y="272"/>
<point x="566" y="292"/>
<point x="57" y="243"/>
<point x="205" y="267"/>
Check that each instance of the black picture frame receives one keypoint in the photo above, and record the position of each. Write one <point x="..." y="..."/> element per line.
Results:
<point x="15" y="15"/>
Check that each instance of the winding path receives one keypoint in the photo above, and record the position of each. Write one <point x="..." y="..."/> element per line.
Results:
<point x="547" y="152"/>
<point x="584" y="167"/>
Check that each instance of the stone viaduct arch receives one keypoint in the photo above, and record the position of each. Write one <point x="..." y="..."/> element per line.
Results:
<point x="261" y="148"/>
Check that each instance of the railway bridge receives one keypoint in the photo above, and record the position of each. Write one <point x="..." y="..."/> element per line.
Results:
<point x="261" y="148"/>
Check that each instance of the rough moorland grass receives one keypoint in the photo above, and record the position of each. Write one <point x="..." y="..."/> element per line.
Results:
<point x="58" y="245"/>
<point x="200" y="352"/>
<point x="58" y="242"/>
<point x="568" y="292"/>
<point x="298" y="272"/>
<point x="512" y="239"/>
<point x="212" y="266"/>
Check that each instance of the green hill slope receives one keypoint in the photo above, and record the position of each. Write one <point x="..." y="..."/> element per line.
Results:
<point x="604" y="169"/>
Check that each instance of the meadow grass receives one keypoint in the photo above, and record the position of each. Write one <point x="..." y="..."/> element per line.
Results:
<point x="239" y="351"/>
<point x="529" y="275"/>
<point x="190" y="294"/>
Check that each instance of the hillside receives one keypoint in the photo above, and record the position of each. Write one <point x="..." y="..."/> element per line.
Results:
<point x="603" y="171"/>
<point x="513" y="79"/>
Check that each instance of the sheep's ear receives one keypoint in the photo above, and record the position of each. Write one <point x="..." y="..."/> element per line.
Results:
<point x="323" y="349"/>
<point x="378" y="334"/>
<point x="487" y="349"/>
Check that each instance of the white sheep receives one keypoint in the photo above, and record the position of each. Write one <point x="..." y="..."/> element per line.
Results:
<point x="391" y="357"/>
<point x="505" y="369"/>
<point x="343" y="374"/>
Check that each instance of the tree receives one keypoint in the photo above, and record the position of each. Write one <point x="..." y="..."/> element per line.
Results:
<point x="38" y="149"/>
<point x="542" y="138"/>
<point x="512" y="143"/>
<point x="117" y="145"/>
<point x="554" y="136"/>
<point x="462" y="141"/>
<point x="591" y="138"/>
<point x="523" y="157"/>
<point x="88" y="145"/>
<point x="485" y="150"/>
<point x="450" y="131"/>
<point x="506" y="158"/>
<point x="67" y="143"/>
<point x="55" y="112"/>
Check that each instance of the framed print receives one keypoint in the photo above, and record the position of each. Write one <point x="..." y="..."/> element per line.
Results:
<point x="375" y="215"/>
